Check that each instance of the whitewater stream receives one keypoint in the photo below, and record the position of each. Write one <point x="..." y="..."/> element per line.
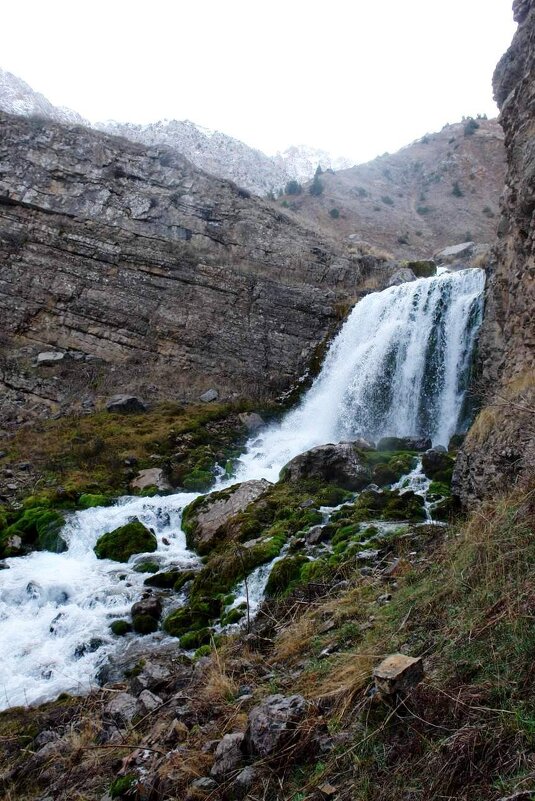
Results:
<point x="400" y="366"/>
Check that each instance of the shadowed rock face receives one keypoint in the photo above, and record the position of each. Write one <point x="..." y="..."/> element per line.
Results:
<point x="500" y="448"/>
<point x="156" y="277"/>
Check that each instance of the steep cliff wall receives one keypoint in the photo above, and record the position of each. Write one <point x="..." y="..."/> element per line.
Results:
<point x="152" y="275"/>
<point x="500" y="447"/>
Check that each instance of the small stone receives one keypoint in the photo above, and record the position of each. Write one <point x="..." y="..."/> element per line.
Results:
<point x="178" y="732"/>
<point x="228" y="755"/>
<point x="209" y="396"/>
<point x="243" y="781"/>
<point x="398" y="673"/>
<point x="148" y="702"/>
<point x="49" y="357"/>
<point x="366" y="556"/>
<point x="327" y="790"/>
<point x="384" y="599"/>
<point x="121" y="708"/>
<point x="205" y="785"/>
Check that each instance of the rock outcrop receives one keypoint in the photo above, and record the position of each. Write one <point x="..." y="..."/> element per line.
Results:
<point x="152" y="276"/>
<point x="499" y="450"/>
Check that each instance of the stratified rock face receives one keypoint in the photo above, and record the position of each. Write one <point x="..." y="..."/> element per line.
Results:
<point x="152" y="276"/>
<point x="500" y="448"/>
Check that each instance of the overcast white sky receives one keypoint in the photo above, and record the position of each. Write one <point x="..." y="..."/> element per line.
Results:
<point x="356" y="77"/>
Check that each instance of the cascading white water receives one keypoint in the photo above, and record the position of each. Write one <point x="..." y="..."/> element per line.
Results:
<point x="399" y="366"/>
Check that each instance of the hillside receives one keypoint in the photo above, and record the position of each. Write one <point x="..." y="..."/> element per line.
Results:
<point x="441" y="189"/>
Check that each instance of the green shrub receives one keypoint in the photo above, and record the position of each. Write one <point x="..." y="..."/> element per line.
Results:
<point x="387" y="199"/>
<point x="293" y="187"/>
<point x="334" y="213"/>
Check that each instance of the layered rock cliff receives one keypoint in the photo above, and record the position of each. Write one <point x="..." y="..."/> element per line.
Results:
<point x="500" y="448"/>
<point x="152" y="276"/>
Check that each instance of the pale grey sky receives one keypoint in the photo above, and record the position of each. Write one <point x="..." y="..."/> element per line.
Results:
<point x="356" y="77"/>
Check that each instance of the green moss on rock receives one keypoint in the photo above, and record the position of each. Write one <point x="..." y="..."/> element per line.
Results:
<point x="121" y="627"/>
<point x="125" y="541"/>
<point x="37" y="528"/>
<point x="283" y="574"/>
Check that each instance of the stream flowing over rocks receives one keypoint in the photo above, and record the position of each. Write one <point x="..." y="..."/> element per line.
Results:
<point x="400" y="366"/>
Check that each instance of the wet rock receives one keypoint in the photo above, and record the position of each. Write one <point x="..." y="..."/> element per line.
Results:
<point x="209" y="396"/>
<point x="340" y="464"/>
<point x="204" y="519"/>
<point x="273" y="723"/>
<point x="151" y="477"/>
<point x="125" y="404"/>
<point x="398" y="673"/>
<point x="228" y="755"/>
<point x="121" y="708"/>
<point x="437" y="464"/>
<point x="148" y="702"/>
<point x="318" y="534"/>
<point x="404" y="444"/>
<point x="148" y="606"/>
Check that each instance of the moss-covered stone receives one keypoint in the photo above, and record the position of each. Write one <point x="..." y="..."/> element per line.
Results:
<point x="122" y="785"/>
<point x="89" y="501"/>
<point x="121" y="627"/>
<point x="185" y="619"/>
<point x="144" y="624"/>
<point x="125" y="541"/>
<point x="234" y="615"/>
<point x="438" y="466"/>
<point x="283" y="574"/>
<point x="37" y="528"/>
<point x="147" y="567"/>
<point x="164" y="580"/>
<point x="194" y="639"/>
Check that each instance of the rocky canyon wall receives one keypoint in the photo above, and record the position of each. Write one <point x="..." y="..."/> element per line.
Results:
<point x="151" y="276"/>
<point x="500" y="448"/>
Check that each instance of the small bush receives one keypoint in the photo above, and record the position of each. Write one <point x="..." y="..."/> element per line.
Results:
<point x="316" y="187"/>
<point x="388" y="200"/>
<point x="334" y="213"/>
<point x="470" y="126"/>
<point x="293" y="187"/>
<point x="457" y="191"/>
<point x="423" y="210"/>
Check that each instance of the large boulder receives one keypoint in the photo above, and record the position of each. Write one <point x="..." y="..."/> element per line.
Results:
<point x="341" y="464"/>
<point x="438" y="465"/>
<point x="205" y="518"/>
<point x="125" y="404"/>
<point x="273" y="723"/>
<point x="125" y="541"/>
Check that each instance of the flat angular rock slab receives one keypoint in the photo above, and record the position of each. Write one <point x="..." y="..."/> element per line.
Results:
<point x="273" y="723"/>
<point x="339" y="464"/>
<point x="151" y="477"/>
<point x="49" y="357"/>
<point x="204" y="520"/>
<point x="398" y="673"/>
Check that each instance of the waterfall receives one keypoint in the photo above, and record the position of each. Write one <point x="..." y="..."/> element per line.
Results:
<point x="399" y="366"/>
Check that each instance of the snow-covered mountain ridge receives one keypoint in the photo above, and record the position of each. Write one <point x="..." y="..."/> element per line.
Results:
<point x="210" y="150"/>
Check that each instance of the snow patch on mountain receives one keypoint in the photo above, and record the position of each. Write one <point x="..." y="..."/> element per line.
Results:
<point x="17" y="97"/>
